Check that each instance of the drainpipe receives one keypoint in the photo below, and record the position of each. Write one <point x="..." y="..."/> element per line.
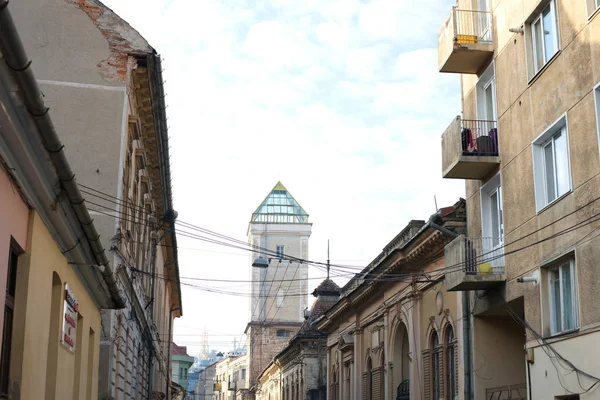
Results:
<point x="466" y="321"/>
<point x="169" y="352"/>
<point x="17" y="60"/>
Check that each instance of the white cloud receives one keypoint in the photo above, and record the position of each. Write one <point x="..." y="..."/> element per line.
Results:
<point x="339" y="99"/>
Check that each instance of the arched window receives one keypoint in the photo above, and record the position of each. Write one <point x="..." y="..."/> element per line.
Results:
<point x="335" y="384"/>
<point x="369" y="380"/>
<point x="382" y="380"/>
<point x="435" y="366"/>
<point x="450" y="368"/>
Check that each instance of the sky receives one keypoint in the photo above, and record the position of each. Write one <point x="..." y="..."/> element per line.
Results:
<point x="340" y="100"/>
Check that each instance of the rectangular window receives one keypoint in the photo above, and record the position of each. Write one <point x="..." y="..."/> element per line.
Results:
<point x="592" y="6"/>
<point x="280" y="251"/>
<point x="562" y="293"/>
<point x="552" y="171"/>
<point x="543" y="36"/>
<point x="282" y="333"/>
<point x="11" y="285"/>
<point x="243" y="374"/>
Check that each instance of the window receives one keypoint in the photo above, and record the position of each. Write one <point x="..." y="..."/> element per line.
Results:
<point x="450" y="369"/>
<point x="435" y="366"/>
<point x="11" y="285"/>
<point x="492" y="222"/>
<point x="244" y="374"/>
<point x="543" y="36"/>
<point x="592" y="6"/>
<point x="486" y="95"/>
<point x="280" y="251"/>
<point x="562" y="296"/>
<point x="282" y="333"/>
<point x="552" y="172"/>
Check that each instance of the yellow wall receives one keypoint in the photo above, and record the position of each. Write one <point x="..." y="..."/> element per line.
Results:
<point x="36" y="355"/>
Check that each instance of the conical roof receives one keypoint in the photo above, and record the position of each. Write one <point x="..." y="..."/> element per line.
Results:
<point x="280" y="207"/>
<point x="327" y="288"/>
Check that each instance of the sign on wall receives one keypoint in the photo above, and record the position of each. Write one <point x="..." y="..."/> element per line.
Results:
<point x="69" y="331"/>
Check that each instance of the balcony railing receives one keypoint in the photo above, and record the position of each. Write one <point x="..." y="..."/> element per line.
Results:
<point x="507" y="392"/>
<point x="474" y="263"/>
<point x="472" y="26"/>
<point x="469" y="149"/>
<point x="465" y="41"/>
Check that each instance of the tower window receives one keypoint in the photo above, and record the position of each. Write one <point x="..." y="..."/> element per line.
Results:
<point x="282" y="333"/>
<point x="280" y="251"/>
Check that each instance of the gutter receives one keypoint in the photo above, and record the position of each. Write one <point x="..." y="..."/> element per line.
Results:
<point x="158" y="93"/>
<point x="17" y="61"/>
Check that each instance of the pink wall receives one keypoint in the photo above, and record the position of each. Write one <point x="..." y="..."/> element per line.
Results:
<point x="14" y="216"/>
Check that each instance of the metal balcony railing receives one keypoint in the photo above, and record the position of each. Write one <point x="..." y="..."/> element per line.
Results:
<point x="472" y="26"/>
<point x="483" y="255"/>
<point x="479" y="138"/>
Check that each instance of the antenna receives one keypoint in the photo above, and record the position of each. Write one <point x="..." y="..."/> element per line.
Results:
<point x="435" y="201"/>
<point x="328" y="259"/>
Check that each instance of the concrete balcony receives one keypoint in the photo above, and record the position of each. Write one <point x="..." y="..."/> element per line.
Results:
<point x="465" y="43"/>
<point x="474" y="264"/>
<point x="469" y="149"/>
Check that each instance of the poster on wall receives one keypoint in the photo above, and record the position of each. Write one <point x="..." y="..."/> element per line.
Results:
<point x="69" y="331"/>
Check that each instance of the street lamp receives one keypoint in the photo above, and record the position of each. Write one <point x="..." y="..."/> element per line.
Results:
<point x="260" y="262"/>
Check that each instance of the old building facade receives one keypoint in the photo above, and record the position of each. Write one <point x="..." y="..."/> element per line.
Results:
<point x="396" y="332"/>
<point x="103" y="82"/>
<point x="527" y="145"/>
<point x="279" y="232"/>
<point x="230" y="377"/>
<point x="56" y="272"/>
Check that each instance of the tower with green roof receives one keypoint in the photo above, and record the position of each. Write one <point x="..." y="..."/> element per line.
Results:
<point x="279" y="231"/>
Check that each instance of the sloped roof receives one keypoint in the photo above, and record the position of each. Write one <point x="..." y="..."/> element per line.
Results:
<point x="177" y="350"/>
<point x="280" y="207"/>
<point x="327" y="287"/>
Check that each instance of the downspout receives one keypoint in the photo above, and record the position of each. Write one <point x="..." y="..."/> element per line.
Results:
<point x="169" y="352"/>
<point x="17" y="60"/>
<point x="466" y="320"/>
<point x="151" y="304"/>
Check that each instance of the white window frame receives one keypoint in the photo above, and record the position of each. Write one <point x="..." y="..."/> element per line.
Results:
<point x="554" y="328"/>
<point x="531" y="42"/>
<point x="282" y="253"/>
<point x="494" y="185"/>
<point x="592" y="7"/>
<point x="597" y="108"/>
<point x="487" y="79"/>
<point x="539" y="172"/>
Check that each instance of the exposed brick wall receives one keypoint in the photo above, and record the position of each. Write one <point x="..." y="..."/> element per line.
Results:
<point x="264" y="344"/>
<point x="122" y="39"/>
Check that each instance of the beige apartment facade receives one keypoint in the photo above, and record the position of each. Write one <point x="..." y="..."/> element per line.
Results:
<point x="397" y="332"/>
<point x="527" y="145"/>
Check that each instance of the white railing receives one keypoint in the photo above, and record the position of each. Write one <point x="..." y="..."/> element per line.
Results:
<point x="472" y="26"/>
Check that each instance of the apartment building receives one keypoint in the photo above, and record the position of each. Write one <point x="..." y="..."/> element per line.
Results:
<point x="231" y="377"/>
<point x="103" y="83"/>
<point x="526" y="144"/>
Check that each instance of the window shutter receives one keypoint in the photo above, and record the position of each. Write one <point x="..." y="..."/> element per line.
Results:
<point x="442" y="371"/>
<point x="426" y="375"/>
<point x="376" y="384"/>
<point x="456" y="373"/>
<point x="365" y="378"/>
